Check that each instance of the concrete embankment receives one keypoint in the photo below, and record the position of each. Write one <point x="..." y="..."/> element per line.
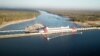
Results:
<point x="18" y="35"/>
<point x="22" y="35"/>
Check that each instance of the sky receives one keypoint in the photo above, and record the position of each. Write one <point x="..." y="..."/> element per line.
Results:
<point x="62" y="4"/>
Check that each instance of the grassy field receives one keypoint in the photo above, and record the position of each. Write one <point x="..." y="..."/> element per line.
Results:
<point x="8" y="16"/>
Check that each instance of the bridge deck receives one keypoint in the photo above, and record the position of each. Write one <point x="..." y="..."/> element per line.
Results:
<point x="31" y="34"/>
<point x="23" y="35"/>
<point x="91" y="28"/>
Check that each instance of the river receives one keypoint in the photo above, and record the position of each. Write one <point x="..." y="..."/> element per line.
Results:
<point x="86" y="44"/>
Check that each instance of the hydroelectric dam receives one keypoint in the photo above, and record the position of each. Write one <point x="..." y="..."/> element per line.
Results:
<point x="50" y="32"/>
<point x="51" y="20"/>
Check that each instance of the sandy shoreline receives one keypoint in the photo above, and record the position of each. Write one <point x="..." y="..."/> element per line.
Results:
<point x="15" y="22"/>
<point x="88" y="23"/>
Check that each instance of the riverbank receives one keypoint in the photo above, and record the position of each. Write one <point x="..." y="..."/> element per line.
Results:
<point x="88" y="23"/>
<point x="15" y="22"/>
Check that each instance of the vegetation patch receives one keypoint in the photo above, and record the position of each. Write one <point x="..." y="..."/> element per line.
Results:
<point x="8" y="16"/>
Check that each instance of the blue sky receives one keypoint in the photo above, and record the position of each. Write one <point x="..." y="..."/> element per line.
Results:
<point x="73" y="4"/>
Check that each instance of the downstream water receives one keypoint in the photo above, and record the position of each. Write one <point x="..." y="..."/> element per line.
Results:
<point x="86" y="44"/>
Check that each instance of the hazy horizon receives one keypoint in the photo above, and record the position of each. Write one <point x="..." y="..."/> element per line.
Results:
<point x="53" y="4"/>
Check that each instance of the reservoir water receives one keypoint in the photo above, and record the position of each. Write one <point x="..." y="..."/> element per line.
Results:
<point x="86" y="44"/>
